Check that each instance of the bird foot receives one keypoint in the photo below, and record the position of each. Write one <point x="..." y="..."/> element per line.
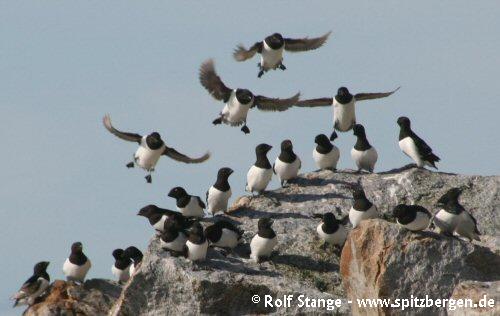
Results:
<point x="260" y="74"/>
<point x="282" y="67"/>
<point x="148" y="178"/>
<point x="245" y="129"/>
<point x="130" y="165"/>
<point x="333" y="136"/>
<point x="217" y="121"/>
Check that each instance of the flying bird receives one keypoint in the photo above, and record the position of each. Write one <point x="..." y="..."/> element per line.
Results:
<point x="343" y="104"/>
<point x="151" y="148"/>
<point x="415" y="147"/>
<point x="238" y="101"/>
<point x="272" y="47"/>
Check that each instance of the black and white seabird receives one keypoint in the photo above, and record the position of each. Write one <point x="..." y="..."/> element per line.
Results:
<point x="343" y="104"/>
<point x="157" y="216"/>
<point x="287" y="164"/>
<point x="264" y="241"/>
<point x="325" y="154"/>
<point x="415" y="147"/>
<point x="77" y="265"/>
<point x="331" y="230"/>
<point x="361" y="209"/>
<point x="197" y="243"/>
<point x="238" y="101"/>
<point x="151" y="148"/>
<point x="452" y="217"/>
<point x="174" y="237"/>
<point x="412" y="217"/>
<point x="260" y="173"/>
<point x="272" y="47"/>
<point x="218" y="195"/>
<point x="136" y="255"/>
<point x="121" y="267"/>
<point x="223" y="234"/>
<point x="364" y="155"/>
<point x="34" y="287"/>
<point x="188" y="205"/>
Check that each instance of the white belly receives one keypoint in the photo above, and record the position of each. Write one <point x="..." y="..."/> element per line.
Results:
<point x="327" y="161"/>
<point x="229" y="239"/>
<point x="421" y="222"/>
<point x="337" y="238"/>
<point x="217" y="200"/>
<point x="159" y="225"/>
<point x="262" y="247"/>
<point x="197" y="252"/>
<point x="407" y="145"/>
<point x="355" y="217"/>
<point x="344" y="115"/>
<point x="192" y="209"/>
<point x="132" y="269"/>
<point x="121" y="275"/>
<point x="365" y="160"/>
<point x="446" y="222"/>
<point x="176" y="245"/>
<point x="466" y="226"/>
<point x="234" y="113"/>
<point x="270" y="58"/>
<point x="258" y="179"/>
<point x="75" y="272"/>
<point x="147" y="158"/>
<point x="287" y="171"/>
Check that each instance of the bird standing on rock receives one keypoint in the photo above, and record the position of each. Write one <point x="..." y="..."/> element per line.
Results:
<point x="415" y="147"/>
<point x="272" y="47"/>
<point x="121" y="267"/>
<point x="260" y="173"/>
<point x="264" y="241"/>
<point x="77" y="265"/>
<point x="157" y="216"/>
<point x="288" y="164"/>
<point x="173" y="238"/>
<point x="34" y="287"/>
<point x="331" y="230"/>
<point x="197" y="244"/>
<point x="325" y="154"/>
<point x="223" y="234"/>
<point x="218" y="195"/>
<point x="361" y="209"/>
<point x="238" y="101"/>
<point x="188" y="205"/>
<point x="412" y="217"/>
<point x="151" y="148"/>
<point x="364" y="155"/>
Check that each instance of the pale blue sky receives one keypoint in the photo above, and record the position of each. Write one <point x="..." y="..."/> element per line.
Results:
<point x="63" y="65"/>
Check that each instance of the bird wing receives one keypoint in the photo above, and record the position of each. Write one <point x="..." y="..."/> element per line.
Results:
<point x="28" y="288"/>
<point x="131" y="137"/>
<point x="175" y="155"/>
<point x="228" y="225"/>
<point x="422" y="146"/>
<point x="206" y="196"/>
<point x="200" y="202"/>
<point x="241" y="53"/>
<point x="212" y="82"/>
<point x="375" y="95"/>
<point x="305" y="44"/>
<point x="275" y="104"/>
<point x="315" y="102"/>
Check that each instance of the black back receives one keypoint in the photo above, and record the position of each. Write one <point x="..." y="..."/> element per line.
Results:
<point x="424" y="150"/>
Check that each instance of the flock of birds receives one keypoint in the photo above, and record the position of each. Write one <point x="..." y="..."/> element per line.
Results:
<point x="181" y="233"/>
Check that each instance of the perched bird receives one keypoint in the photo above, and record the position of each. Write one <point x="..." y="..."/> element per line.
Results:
<point x="121" y="267"/>
<point x="287" y="164"/>
<point x="157" y="216"/>
<point x="331" y="230"/>
<point x="173" y="238"/>
<point x="197" y="244"/>
<point x="136" y="256"/>
<point x="264" y="241"/>
<point x="344" y="112"/>
<point x="218" y="195"/>
<point x="364" y="155"/>
<point x="325" y="154"/>
<point x="272" y="47"/>
<point x="238" y="101"/>
<point x="223" y="234"/>
<point x="77" y="265"/>
<point x="452" y="217"/>
<point x="412" y="217"/>
<point x="188" y="205"/>
<point x="260" y="173"/>
<point x="415" y="147"/>
<point x="34" y="287"/>
<point x="151" y="148"/>
<point x="361" y="209"/>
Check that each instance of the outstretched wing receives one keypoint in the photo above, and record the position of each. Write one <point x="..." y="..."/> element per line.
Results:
<point x="175" y="155"/>
<point x="131" y="137"/>
<point x="241" y="53"/>
<point x="212" y="82"/>
<point x="311" y="103"/>
<point x="275" y="104"/>
<point x="305" y="44"/>
<point x="376" y="95"/>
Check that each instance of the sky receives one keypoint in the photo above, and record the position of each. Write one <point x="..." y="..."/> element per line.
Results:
<point x="63" y="65"/>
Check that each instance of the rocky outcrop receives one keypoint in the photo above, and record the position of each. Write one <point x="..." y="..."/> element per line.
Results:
<point x="482" y="294"/>
<point x="381" y="260"/>
<point x="94" y="297"/>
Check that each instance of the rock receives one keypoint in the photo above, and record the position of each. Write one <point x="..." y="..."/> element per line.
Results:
<point x="94" y="297"/>
<point x="476" y="291"/>
<point x="226" y="284"/>
<point x="383" y="260"/>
